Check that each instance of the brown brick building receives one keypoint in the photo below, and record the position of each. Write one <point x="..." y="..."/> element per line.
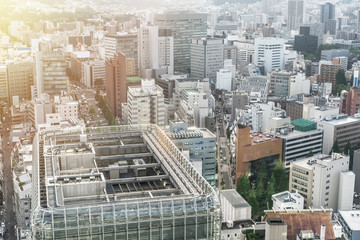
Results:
<point x="352" y="104"/>
<point x="328" y="73"/>
<point x="252" y="149"/>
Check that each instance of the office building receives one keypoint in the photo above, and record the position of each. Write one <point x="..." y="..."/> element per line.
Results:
<point x="199" y="144"/>
<point x="184" y="27"/>
<point x="252" y="149"/>
<point x="20" y="79"/>
<point x="38" y="108"/>
<point x="279" y="83"/>
<point x="327" y="16"/>
<point x="115" y="83"/>
<point x="329" y="55"/>
<point x="275" y="228"/>
<point x="341" y="128"/>
<point x="91" y="71"/>
<point x="224" y="80"/>
<point x="269" y="53"/>
<point x="126" y="182"/>
<point x="125" y="43"/>
<point x="317" y="179"/>
<point x="145" y="104"/>
<point x="156" y="52"/>
<point x="304" y="42"/>
<point x="299" y="141"/>
<point x="288" y="200"/>
<point x="356" y="169"/>
<point x="233" y="206"/>
<point x="328" y="72"/>
<point x="351" y="103"/>
<point x="51" y="73"/>
<point x="296" y="12"/>
<point x="350" y="223"/>
<point x="4" y="95"/>
<point x="66" y="107"/>
<point x="207" y="57"/>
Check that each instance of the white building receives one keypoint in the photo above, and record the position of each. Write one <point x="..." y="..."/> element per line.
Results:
<point x="66" y="107"/>
<point x="224" y="80"/>
<point x="39" y="108"/>
<point x="288" y="200"/>
<point x="92" y="70"/>
<point x="154" y="52"/>
<point x="233" y="206"/>
<point x="269" y="53"/>
<point x="318" y="180"/>
<point x="299" y="84"/>
<point x="346" y="190"/>
<point x="341" y="128"/>
<point x="145" y="104"/>
<point x="315" y="113"/>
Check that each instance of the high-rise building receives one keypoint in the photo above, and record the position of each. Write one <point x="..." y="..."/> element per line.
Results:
<point x="351" y="106"/>
<point x="296" y="11"/>
<point x="207" y="57"/>
<point x="51" y="73"/>
<point x="341" y="128"/>
<point x="269" y="53"/>
<point x="304" y="42"/>
<point x="328" y="72"/>
<point x="327" y="16"/>
<point x="329" y="55"/>
<point x="91" y="71"/>
<point x="184" y="27"/>
<point x="253" y="149"/>
<point x="199" y="144"/>
<point x="156" y="52"/>
<point x="145" y="104"/>
<point x="4" y="94"/>
<point x="318" y="180"/>
<point x="126" y="182"/>
<point x="279" y="83"/>
<point x="126" y="43"/>
<point x="20" y="79"/>
<point x="115" y="83"/>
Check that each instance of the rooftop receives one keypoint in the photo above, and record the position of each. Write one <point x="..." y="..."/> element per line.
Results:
<point x="352" y="219"/>
<point x="304" y="125"/>
<point x="134" y="79"/>
<point x="320" y="160"/>
<point x="188" y="91"/>
<point x="235" y="199"/>
<point x="340" y="119"/>
<point x="305" y="220"/>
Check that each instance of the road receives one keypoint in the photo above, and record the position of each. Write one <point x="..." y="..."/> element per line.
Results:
<point x="223" y="156"/>
<point x="8" y="183"/>
<point x="86" y="98"/>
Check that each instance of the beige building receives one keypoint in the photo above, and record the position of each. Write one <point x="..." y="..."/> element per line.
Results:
<point x="317" y="180"/>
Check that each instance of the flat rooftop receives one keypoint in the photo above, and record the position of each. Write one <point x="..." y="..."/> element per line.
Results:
<point x="320" y="160"/>
<point x="100" y="166"/>
<point x="258" y="138"/>
<point x="352" y="219"/>
<point x="341" y="119"/>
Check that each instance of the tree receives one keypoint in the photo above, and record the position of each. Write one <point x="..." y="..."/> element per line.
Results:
<point x="281" y="180"/>
<point x="335" y="148"/>
<point x="253" y="203"/>
<point x="340" y="77"/>
<point x="92" y="110"/>
<point x="98" y="82"/>
<point x="262" y="174"/>
<point x="310" y="154"/>
<point x="260" y="191"/>
<point x="270" y="192"/>
<point x="97" y="95"/>
<point x="339" y="88"/>
<point x="243" y="187"/>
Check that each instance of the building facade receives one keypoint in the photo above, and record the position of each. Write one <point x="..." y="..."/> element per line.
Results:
<point x="269" y="53"/>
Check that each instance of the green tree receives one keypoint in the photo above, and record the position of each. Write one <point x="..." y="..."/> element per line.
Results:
<point x="260" y="191"/>
<point x="340" y="77"/>
<point x="98" y="82"/>
<point x="243" y="187"/>
<point x="261" y="175"/>
<point x="270" y="191"/>
<point x="339" y="88"/>
<point x="91" y="110"/>
<point x="253" y="203"/>
<point x="281" y="180"/>
<point x="310" y="153"/>
<point x="335" y="148"/>
<point x="347" y="148"/>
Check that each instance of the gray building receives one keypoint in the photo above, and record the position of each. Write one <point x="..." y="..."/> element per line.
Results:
<point x="51" y="73"/>
<point x="126" y="43"/>
<point x="356" y="169"/>
<point x="207" y="57"/>
<point x="328" y="55"/>
<point x="279" y="82"/>
<point x="239" y="100"/>
<point x="184" y="27"/>
<point x="122" y="182"/>
<point x="349" y="220"/>
<point x="327" y="16"/>
<point x="295" y="14"/>
<point x="199" y="144"/>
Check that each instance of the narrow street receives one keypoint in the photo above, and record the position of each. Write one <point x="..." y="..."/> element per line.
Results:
<point x="8" y="183"/>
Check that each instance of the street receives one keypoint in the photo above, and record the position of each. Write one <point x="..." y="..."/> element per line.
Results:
<point x="8" y="182"/>
<point x="223" y="156"/>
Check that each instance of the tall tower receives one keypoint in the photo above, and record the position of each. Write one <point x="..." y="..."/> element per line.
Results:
<point x="184" y="27"/>
<point x="116" y="82"/>
<point x="295" y="13"/>
<point x="327" y="16"/>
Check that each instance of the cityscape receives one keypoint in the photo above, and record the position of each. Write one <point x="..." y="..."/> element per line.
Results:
<point x="192" y="120"/>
